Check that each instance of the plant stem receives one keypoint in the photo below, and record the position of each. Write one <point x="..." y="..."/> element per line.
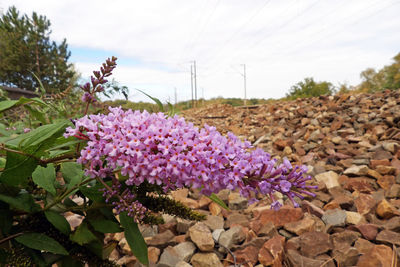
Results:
<point x="40" y="161"/>
<point x="60" y="198"/>
<point x="10" y="237"/>
<point x="3" y="147"/>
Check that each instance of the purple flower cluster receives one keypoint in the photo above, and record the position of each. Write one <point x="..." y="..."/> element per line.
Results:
<point x="96" y="84"/>
<point x="170" y="152"/>
<point x="126" y="201"/>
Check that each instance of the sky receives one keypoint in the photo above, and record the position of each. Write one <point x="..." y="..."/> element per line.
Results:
<point x="280" y="42"/>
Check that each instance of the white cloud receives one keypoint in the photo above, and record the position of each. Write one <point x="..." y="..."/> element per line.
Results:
<point x="281" y="42"/>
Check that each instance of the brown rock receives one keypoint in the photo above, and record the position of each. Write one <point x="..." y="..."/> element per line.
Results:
<point x="214" y="208"/>
<point x="344" y="240"/>
<point x="354" y="218"/>
<point x="392" y="224"/>
<point x="364" y="203"/>
<point x="127" y="261"/>
<point x="357" y="170"/>
<point x="191" y="203"/>
<point x="331" y="205"/>
<point x="386" y="181"/>
<point x="200" y="235"/>
<point x="379" y="255"/>
<point x="362" y="185"/>
<point x="272" y="251"/>
<point x="285" y="215"/>
<point x="214" y="222"/>
<point x="368" y="231"/>
<point x="363" y="246"/>
<point x="311" y="208"/>
<point x="385" y="169"/>
<point x="346" y="256"/>
<point x="386" y="210"/>
<point x="268" y="230"/>
<point x="375" y="163"/>
<point x="300" y="227"/>
<point x="205" y="260"/>
<point x="374" y="174"/>
<point x="296" y="259"/>
<point x="314" y="243"/>
<point x="160" y="240"/>
<point x="153" y="254"/>
<point x="388" y="237"/>
<point x="236" y="218"/>
<point x="394" y="191"/>
<point x="204" y="201"/>
<point x="180" y="193"/>
<point x="330" y="179"/>
<point x="246" y="255"/>
<point x="381" y="155"/>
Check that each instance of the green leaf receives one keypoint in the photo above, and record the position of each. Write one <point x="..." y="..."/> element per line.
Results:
<point x="41" y="242"/>
<point x="4" y="105"/>
<point x="3" y="130"/>
<point x="18" y="169"/>
<point x="45" y="178"/>
<point x="83" y="235"/>
<point x="6" y="220"/>
<point x="93" y="192"/>
<point x="70" y="262"/>
<point x="158" y="102"/>
<point x="134" y="237"/>
<point x="42" y="134"/>
<point x="65" y="143"/>
<point x="58" y="221"/>
<point x="37" y="114"/>
<point x="217" y="200"/>
<point x="105" y="226"/>
<point x="7" y="104"/>
<point x="72" y="173"/>
<point x="23" y="202"/>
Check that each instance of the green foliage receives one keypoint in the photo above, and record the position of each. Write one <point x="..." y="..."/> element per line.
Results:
<point x="134" y="238"/>
<point x="26" y="50"/>
<point x="40" y="242"/>
<point x="386" y="78"/>
<point x="310" y="88"/>
<point x="113" y="87"/>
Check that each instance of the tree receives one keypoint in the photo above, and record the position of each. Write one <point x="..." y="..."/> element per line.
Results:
<point x="372" y="81"/>
<point x="386" y="78"/>
<point x="26" y="51"/>
<point x="310" y="88"/>
<point x="392" y="74"/>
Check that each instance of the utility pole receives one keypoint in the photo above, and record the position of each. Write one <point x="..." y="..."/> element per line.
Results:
<point x="202" y="95"/>
<point x="244" y="80"/>
<point x="176" y="97"/>
<point x="191" y="83"/>
<point x="195" y="81"/>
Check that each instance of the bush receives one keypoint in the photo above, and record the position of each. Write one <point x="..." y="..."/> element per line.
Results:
<point x="310" y="88"/>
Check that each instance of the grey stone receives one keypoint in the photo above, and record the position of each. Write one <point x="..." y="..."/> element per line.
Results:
<point x="169" y="257"/>
<point x="236" y="201"/>
<point x="217" y="233"/>
<point x="182" y="225"/>
<point x="185" y="250"/>
<point x="335" y="217"/>
<point x="231" y="237"/>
